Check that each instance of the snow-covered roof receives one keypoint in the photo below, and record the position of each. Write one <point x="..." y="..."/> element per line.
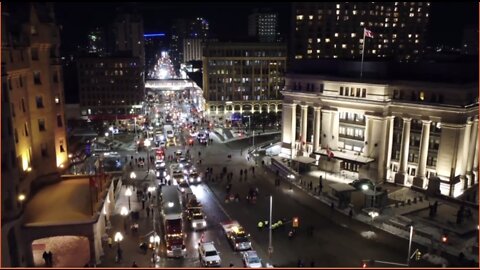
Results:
<point x="64" y="202"/>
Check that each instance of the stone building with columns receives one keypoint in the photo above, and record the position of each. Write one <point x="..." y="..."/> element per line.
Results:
<point x="395" y="130"/>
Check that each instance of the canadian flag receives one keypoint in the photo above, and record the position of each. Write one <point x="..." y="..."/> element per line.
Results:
<point x="367" y="33"/>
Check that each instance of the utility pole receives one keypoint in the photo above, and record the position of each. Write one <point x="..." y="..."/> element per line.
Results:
<point x="270" y="247"/>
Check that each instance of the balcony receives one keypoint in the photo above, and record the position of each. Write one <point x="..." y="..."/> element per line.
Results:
<point x="352" y="121"/>
<point x="345" y="136"/>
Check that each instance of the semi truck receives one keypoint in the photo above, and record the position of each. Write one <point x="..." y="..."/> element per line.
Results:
<point x="172" y="214"/>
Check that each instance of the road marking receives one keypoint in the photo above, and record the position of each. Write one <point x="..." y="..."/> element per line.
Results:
<point x="207" y="189"/>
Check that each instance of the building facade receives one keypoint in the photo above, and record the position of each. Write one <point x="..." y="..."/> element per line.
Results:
<point x="399" y="131"/>
<point x="335" y="30"/>
<point x="192" y="49"/>
<point x="34" y="140"/>
<point x="264" y="26"/>
<point x="129" y="35"/>
<point x="97" y="41"/>
<point x="111" y="88"/>
<point x="243" y="77"/>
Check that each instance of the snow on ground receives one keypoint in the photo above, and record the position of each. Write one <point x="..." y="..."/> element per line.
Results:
<point x="63" y="202"/>
<point x="369" y="234"/>
<point x="274" y="150"/>
<point x="435" y="259"/>
<point x="67" y="251"/>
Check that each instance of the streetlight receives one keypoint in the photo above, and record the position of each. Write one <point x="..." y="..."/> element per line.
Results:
<point x="111" y="129"/>
<point x="253" y="131"/>
<point x="118" y="239"/>
<point x="133" y="175"/>
<point x="410" y="244"/>
<point x="106" y="134"/>
<point x="128" y="193"/>
<point x="21" y="198"/>
<point x="124" y="213"/>
<point x="270" y="246"/>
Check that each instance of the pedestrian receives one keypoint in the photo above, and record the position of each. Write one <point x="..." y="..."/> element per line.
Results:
<point x="350" y="213"/>
<point x="143" y="202"/>
<point x="110" y="242"/>
<point x="149" y="195"/>
<point x="45" y="257"/>
<point x="119" y="254"/>
<point x="134" y="264"/>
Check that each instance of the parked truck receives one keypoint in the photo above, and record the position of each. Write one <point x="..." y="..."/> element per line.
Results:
<point x="236" y="235"/>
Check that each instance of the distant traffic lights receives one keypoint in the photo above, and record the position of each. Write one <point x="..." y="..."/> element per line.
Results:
<point x="295" y="222"/>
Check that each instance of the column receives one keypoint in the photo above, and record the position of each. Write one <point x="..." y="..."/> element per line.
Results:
<point x="471" y="152"/>
<point x="288" y="128"/>
<point x="303" y="124"/>
<point x="389" y="145"/>
<point x="464" y="157"/>
<point x="402" y="175"/>
<point x="475" y="159"/>
<point x="316" y="131"/>
<point x="420" y="179"/>
<point x="367" y="136"/>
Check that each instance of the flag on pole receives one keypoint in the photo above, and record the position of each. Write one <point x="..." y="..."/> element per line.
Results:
<point x="368" y="33"/>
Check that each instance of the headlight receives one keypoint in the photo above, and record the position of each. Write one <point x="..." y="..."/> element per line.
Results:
<point x="194" y="225"/>
<point x="204" y="223"/>
<point x="182" y="189"/>
<point x="199" y="179"/>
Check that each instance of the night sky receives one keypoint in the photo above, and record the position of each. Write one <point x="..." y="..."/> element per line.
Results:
<point x="447" y="20"/>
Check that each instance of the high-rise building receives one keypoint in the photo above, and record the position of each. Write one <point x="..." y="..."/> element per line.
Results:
<point x="197" y="28"/>
<point x="97" y="41"/>
<point x="192" y="49"/>
<point x="243" y="77"/>
<point x="336" y="30"/>
<point x="34" y="141"/>
<point x="111" y="88"/>
<point x="129" y="35"/>
<point x="264" y="26"/>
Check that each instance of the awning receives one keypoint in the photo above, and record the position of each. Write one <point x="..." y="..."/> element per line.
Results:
<point x="346" y="156"/>
<point x="303" y="159"/>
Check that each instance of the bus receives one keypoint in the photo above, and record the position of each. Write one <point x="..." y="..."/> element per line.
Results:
<point x="172" y="215"/>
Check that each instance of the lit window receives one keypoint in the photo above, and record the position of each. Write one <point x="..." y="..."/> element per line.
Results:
<point x="327" y="40"/>
<point x="338" y="6"/>
<point x="344" y="46"/>
<point x="409" y="35"/>
<point x="422" y="96"/>
<point x="416" y="35"/>
<point x="386" y="25"/>
<point x="353" y="35"/>
<point x="335" y="56"/>
<point x="336" y="34"/>
<point x="309" y="51"/>
<point x="411" y="14"/>
<point x="354" y="12"/>
<point x="310" y="40"/>
<point x="416" y="40"/>
<point x="310" y="17"/>
<point x="319" y="40"/>
<point x="379" y="46"/>
<point x="374" y="51"/>
<point x="318" y="51"/>
<point x="299" y="17"/>
<point x="338" y="12"/>
<point x="298" y="56"/>
<point x="386" y="19"/>
<point x="362" y="23"/>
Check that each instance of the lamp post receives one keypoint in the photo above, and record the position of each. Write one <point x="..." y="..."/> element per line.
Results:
<point x="128" y="193"/>
<point x="270" y="247"/>
<point x="253" y="131"/>
<point x="133" y="175"/>
<point x="365" y="187"/>
<point x="124" y="213"/>
<point x="21" y="199"/>
<point x="118" y="238"/>
<point x="410" y="244"/>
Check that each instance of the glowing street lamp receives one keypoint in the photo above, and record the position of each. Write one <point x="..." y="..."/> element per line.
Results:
<point x="21" y="198"/>
<point x="118" y="238"/>
<point x="124" y="213"/>
<point x="128" y="193"/>
<point x="133" y="175"/>
<point x="147" y="144"/>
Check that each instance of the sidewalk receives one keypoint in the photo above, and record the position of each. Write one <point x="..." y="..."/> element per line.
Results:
<point x="393" y="219"/>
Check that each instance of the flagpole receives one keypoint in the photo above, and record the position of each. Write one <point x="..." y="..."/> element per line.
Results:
<point x="363" y="51"/>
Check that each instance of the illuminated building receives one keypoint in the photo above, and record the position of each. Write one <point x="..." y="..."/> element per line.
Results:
<point x="34" y="149"/>
<point x="412" y="124"/>
<point x="335" y="30"/>
<point x="192" y="49"/>
<point x="129" y="36"/>
<point x="197" y="28"/>
<point x="263" y="25"/>
<point x="243" y="77"/>
<point x="111" y="88"/>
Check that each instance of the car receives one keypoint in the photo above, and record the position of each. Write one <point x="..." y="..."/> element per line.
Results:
<point x="197" y="218"/>
<point x="251" y="259"/>
<point x="159" y="165"/>
<point x="194" y="177"/>
<point x="361" y="184"/>
<point x="183" y="186"/>
<point x="208" y="255"/>
<point x="178" y="153"/>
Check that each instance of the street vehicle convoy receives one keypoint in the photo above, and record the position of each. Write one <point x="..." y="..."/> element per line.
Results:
<point x="208" y="255"/>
